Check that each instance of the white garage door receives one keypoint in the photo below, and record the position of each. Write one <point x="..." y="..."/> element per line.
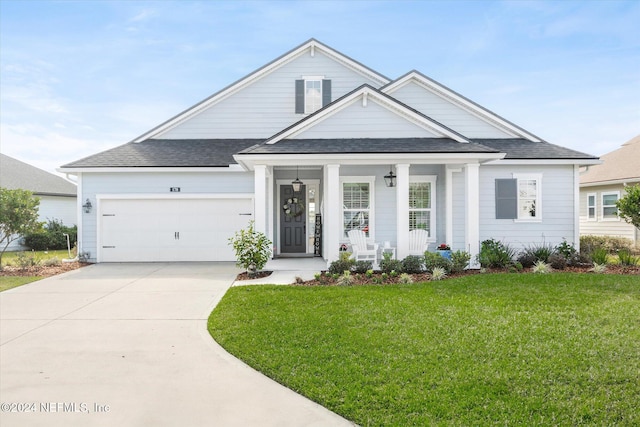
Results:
<point x="144" y="230"/>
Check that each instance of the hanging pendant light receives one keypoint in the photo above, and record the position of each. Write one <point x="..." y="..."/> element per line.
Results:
<point x="390" y="180"/>
<point x="297" y="184"/>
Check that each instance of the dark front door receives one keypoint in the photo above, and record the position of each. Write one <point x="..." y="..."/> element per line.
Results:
<point x="292" y="220"/>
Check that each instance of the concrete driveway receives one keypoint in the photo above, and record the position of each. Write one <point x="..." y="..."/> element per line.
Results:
<point x="127" y="345"/>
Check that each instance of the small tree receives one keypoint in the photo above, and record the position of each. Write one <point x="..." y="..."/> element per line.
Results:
<point x="18" y="216"/>
<point x="252" y="249"/>
<point x="629" y="205"/>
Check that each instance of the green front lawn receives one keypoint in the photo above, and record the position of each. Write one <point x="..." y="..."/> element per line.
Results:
<point x="8" y="282"/>
<point x="504" y="349"/>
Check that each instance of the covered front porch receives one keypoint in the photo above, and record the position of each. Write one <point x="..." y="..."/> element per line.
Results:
<point x="438" y="193"/>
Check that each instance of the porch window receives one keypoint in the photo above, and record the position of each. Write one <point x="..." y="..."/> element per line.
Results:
<point x="357" y="205"/>
<point x="422" y="204"/>
<point x="591" y="206"/>
<point x="609" y="208"/>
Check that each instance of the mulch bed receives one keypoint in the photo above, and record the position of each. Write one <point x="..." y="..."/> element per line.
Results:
<point x="258" y="275"/>
<point x="375" y="279"/>
<point x="40" y="270"/>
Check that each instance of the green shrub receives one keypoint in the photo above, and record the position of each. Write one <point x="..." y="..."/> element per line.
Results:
<point x="541" y="267"/>
<point x="387" y="265"/>
<point x="52" y="237"/>
<point x="558" y="261"/>
<point x="51" y="262"/>
<point x="25" y="260"/>
<point x="566" y="250"/>
<point x="540" y="252"/>
<point x="599" y="256"/>
<point x="361" y="266"/>
<point x="626" y="258"/>
<point x="495" y="254"/>
<point x="345" y="279"/>
<point x="252" y="248"/>
<point x="413" y="264"/>
<point x="433" y="260"/>
<point x="405" y="279"/>
<point x="459" y="261"/>
<point x="609" y="243"/>
<point x="345" y="263"/>
<point x="438" y="273"/>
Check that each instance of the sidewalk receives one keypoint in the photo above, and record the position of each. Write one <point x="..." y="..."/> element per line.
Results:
<point x="285" y="271"/>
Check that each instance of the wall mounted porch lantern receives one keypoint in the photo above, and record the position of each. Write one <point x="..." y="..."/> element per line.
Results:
<point x="87" y="206"/>
<point x="390" y="180"/>
<point x="297" y="184"/>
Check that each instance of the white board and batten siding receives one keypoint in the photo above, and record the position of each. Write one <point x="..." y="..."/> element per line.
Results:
<point x="210" y="193"/>
<point x="557" y="207"/>
<point x="267" y="105"/>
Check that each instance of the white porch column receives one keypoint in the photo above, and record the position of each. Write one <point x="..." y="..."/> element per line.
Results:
<point x="260" y="198"/>
<point x="402" y="210"/>
<point x="270" y="204"/>
<point x="331" y="217"/>
<point x="472" y="214"/>
<point x="576" y="207"/>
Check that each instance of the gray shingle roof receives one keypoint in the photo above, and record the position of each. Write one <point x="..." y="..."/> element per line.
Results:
<point x="518" y="148"/>
<point x="368" y="145"/>
<point x="168" y="153"/>
<point x="15" y="174"/>
<point x="619" y="165"/>
<point x="219" y="152"/>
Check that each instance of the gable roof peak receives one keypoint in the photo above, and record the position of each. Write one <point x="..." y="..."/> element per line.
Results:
<point x="311" y="44"/>
<point x="461" y="101"/>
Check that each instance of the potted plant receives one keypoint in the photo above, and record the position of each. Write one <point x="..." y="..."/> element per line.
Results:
<point x="444" y="250"/>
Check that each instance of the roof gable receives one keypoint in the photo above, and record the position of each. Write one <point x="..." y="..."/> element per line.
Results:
<point x="312" y="48"/>
<point x="480" y="115"/>
<point x="363" y="97"/>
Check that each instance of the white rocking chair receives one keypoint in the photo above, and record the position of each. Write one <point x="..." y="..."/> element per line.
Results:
<point x="362" y="250"/>
<point x="418" y="242"/>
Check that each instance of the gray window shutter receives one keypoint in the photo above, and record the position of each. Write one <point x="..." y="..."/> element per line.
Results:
<point x="299" y="96"/>
<point x="506" y="198"/>
<point x="326" y="92"/>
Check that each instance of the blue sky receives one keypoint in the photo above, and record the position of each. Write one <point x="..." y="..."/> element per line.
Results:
<point x="79" y="77"/>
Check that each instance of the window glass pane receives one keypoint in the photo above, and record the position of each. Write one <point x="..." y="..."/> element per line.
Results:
<point x="610" y="212"/>
<point x="420" y="195"/>
<point x="609" y="199"/>
<point x="355" y="195"/>
<point x="356" y="220"/>
<point x="592" y="201"/>
<point x="527" y="209"/>
<point x="527" y="188"/>
<point x="592" y="212"/>
<point x="421" y="220"/>
<point x="313" y="96"/>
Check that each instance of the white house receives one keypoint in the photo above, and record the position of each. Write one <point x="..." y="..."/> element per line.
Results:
<point x="600" y="188"/>
<point x="57" y="195"/>
<point x="314" y="115"/>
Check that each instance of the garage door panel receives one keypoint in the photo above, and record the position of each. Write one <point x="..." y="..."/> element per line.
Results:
<point x="170" y="229"/>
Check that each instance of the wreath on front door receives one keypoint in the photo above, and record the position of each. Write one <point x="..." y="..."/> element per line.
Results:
<point x="289" y="210"/>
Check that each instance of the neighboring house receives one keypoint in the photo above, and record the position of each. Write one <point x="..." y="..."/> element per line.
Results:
<point x="315" y="115"/>
<point x="57" y="195"/>
<point x="600" y="188"/>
